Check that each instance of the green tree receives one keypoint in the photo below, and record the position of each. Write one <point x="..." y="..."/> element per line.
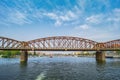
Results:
<point x="118" y="52"/>
<point x="9" y="54"/>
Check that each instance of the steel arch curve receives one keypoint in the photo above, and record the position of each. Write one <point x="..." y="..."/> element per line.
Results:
<point x="62" y="43"/>
<point x="58" y="43"/>
<point x="114" y="44"/>
<point x="7" y="43"/>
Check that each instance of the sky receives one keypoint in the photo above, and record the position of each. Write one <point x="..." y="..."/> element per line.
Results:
<point x="25" y="20"/>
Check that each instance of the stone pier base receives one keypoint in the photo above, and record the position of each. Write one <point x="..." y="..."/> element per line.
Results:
<point x="24" y="56"/>
<point x="100" y="56"/>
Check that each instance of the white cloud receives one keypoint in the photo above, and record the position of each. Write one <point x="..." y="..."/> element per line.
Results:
<point x="110" y="21"/>
<point x="68" y="16"/>
<point x="71" y="14"/>
<point x="18" y="18"/>
<point x="61" y="17"/>
<point x="31" y="14"/>
<point x="83" y="27"/>
<point x="82" y="4"/>
<point x="94" y="19"/>
<point x="115" y="19"/>
<point x="114" y="16"/>
<point x="102" y="26"/>
<point x="52" y="15"/>
<point x="58" y="23"/>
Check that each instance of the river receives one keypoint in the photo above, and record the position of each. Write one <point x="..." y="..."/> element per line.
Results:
<point x="59" y="68"/>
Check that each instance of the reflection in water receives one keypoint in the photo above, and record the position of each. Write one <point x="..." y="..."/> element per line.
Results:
<point x="61" y="68"/>
<point x="100" y="67"/>
<point x="23" y="64"/>
<point x="100" y="63"/>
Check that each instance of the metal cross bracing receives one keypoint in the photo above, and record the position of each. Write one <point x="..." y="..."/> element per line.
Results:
<point x="58" y="43"/>
<point x="7" y="43"/>
<point x="61" y="43"/>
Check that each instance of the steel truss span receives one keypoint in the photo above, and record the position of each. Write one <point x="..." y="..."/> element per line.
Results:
<point x="58" y="43"/>
<point x="7" y="43"/>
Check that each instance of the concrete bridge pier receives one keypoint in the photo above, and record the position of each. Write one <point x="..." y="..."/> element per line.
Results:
<point x="24" y="56"/>
<point x="100" y="56"/>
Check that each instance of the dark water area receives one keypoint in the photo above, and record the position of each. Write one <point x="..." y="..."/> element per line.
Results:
<point x="59" y="68"/>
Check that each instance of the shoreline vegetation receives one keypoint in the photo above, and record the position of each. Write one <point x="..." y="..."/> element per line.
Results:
<point x="15" y="54"/>
<point x="12" y="54"/>
<point x="9" y="54"/>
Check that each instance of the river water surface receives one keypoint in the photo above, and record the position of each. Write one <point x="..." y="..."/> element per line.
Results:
<point x="59" y="68"/>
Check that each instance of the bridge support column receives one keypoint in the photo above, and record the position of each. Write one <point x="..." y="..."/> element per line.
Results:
<point x="24" y="57"/>
<point x="100" y="56"/>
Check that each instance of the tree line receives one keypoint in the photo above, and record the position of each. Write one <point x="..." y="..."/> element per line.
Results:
<point x="9" y="54"/>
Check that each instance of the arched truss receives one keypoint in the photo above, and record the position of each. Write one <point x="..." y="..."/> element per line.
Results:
<point x="61" y="42"/>
<point x="58" y="43"/>
<point x="7" y="43"/>
<point x="113" y="44"/>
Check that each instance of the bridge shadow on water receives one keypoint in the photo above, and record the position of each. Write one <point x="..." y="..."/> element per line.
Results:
<point x="100" y="63"/>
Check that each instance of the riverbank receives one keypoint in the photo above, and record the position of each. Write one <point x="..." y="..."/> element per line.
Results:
<point x="9" y="54"/>
<point x="115" y="56"/>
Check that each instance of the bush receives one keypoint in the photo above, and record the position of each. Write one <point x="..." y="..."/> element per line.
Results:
<point x="9" y="54"/>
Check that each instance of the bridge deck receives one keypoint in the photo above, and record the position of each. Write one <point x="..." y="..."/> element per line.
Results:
<point x="114" y="49"/>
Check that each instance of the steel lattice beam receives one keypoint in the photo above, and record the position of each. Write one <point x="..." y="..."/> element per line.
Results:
<point x="58" y="43"/>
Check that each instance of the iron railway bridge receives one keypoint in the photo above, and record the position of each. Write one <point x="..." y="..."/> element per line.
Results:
<point x="59" y="43"/>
